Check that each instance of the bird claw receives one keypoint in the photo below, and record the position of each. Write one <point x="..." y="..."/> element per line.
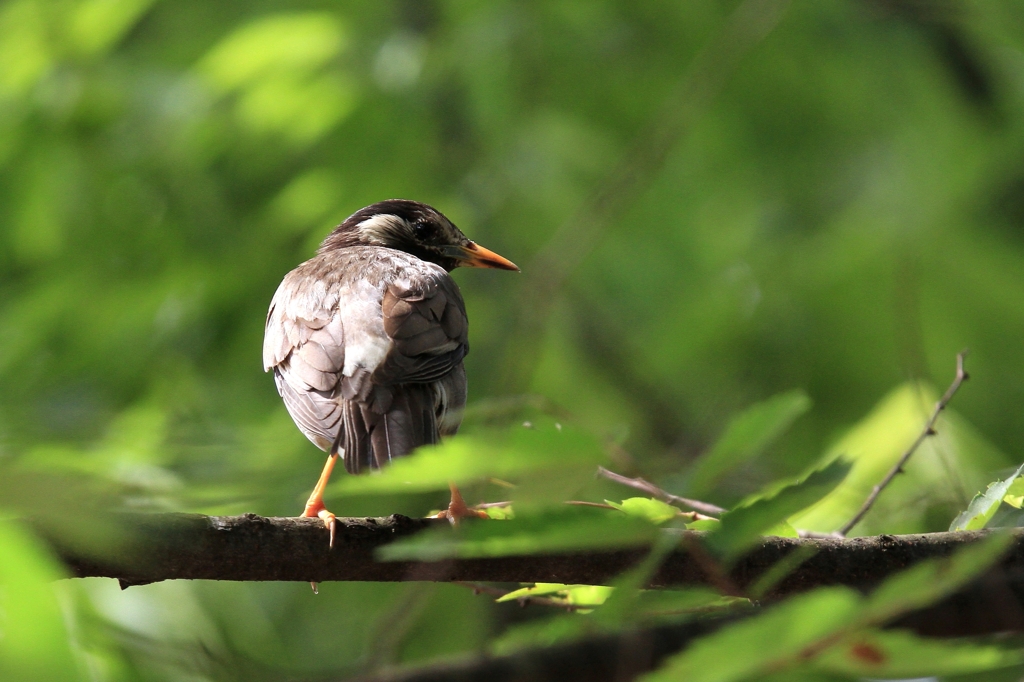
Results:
<point x="330" y="522"/>
<point x="465" y="513"/>
<point x="329" y="519"/>
<point x="315" y="503"/>
<point x="458" y="509"/>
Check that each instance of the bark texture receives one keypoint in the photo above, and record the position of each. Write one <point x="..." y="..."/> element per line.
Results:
<point x="156" y="547"/>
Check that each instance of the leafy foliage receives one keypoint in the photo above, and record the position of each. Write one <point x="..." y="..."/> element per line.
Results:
<point x="984" y="505"/>
<point x="503" y="454"/>
<point x="831" y="629"/>
<point x="35" y="643"/>
<point x="547" y="530"/>
<point x="743" y="525"/>
<point x="747" y="435"/>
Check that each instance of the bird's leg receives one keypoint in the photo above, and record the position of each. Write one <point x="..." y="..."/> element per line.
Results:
<point x="457" y="509"/>
<point x="315" y="503"/>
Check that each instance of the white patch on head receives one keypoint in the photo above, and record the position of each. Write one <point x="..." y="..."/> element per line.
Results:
<point x="380" y="229"/>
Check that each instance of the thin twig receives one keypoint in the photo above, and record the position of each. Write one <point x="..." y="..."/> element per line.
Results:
<point x="929" y="430"/>
<point x="692" y="515"/>
<point x="525" y="601"/>
<point x="491" y="505"/>
<point x="584" y="503"/>
<point x="663" y="495"/>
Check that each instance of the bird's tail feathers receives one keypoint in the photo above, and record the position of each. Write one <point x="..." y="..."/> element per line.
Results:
<point x="371" y="437"/>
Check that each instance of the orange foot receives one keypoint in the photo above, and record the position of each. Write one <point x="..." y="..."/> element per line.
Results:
<point x="317" y="509"/>
<point x="457" y="509"/>
<point x="315" y="504"/>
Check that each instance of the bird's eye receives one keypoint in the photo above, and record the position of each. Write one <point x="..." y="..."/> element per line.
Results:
<point x="423" y="229"/>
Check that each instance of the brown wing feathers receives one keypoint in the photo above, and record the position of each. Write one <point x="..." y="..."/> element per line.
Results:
<point x="400" y="409"/>
<point x="376" y="413"/>
<point x="428" y="330"/>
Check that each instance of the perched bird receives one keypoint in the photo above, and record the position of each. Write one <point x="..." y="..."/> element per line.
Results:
<point x="366" y="339"/>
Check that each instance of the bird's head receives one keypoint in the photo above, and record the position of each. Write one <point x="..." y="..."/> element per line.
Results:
<point x="414" y="228"/>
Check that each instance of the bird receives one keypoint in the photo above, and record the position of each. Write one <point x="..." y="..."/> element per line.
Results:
<point x="366" y="340"/>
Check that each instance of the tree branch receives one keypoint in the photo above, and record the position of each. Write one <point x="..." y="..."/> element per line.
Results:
<point x="928" y="430"/>
<point x="155" y="547"/>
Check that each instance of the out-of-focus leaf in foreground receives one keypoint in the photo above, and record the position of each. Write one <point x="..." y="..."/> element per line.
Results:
<point x="898" y="654"/>
<point x="795" y="633"/>
<point x="559" y="528"/>
<point x="33" y="638"/>
<point x="561" y="456"/>
<point x="928" y="581"/>
<point x="767" y="642"/>
<point x="754" y="517"/>
<point x="72" y="508"/>
<point x="747" y="435"/>
<point x="984" y="505"/>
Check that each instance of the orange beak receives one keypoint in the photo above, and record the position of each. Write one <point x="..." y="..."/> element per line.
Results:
<point x="475" y="256"/>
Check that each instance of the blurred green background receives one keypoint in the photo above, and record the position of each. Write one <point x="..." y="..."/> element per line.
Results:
<point x="711" y="206"/>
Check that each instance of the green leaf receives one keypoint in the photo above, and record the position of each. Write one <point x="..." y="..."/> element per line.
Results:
<point x="1016" y="488"/>
<point x="594" y="595"/>
<point x="901" y="654"/>
<point x="535" y="590"/>
<point x="542" y="633"/>
<point x="782" y="530"/>
<point x="500" y="513"/>
<point x="622" y="605"/>
<point x="541" y="590"/>
<point x="96" y="25"/>
<point x="704" y="524"/>
<point x="742" y="526"/>
<point x="300" y="42"/>
<point x="747" y="435"/>
<point x="876" y="443"/>
<point x="648" y="508"/>
<point x="928" y="581"/>
<point x="570" y="595"/>
<point x="561" y="458"/>
<point x="675" y="603"/>
<point x="753" y="646"/>
<point x="534" y="531"/>
<point x="798" y="631"/>
<point x="984" y="505"/>
<point x="33" y="639"/>
<point x="779" y="570"/>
